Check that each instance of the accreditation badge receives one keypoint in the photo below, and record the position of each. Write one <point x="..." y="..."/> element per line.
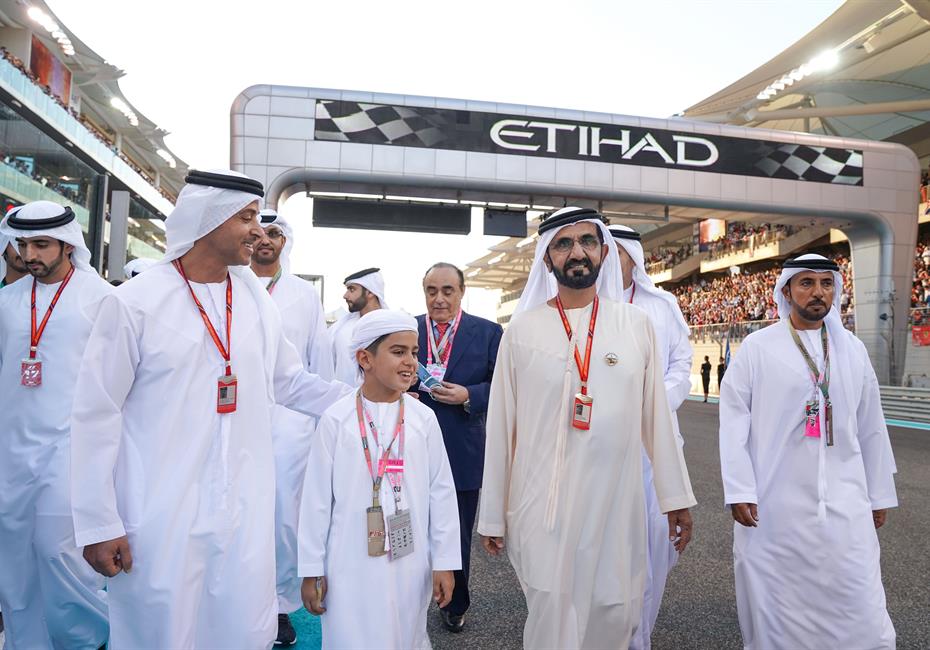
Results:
<point x="226" y="390"/>
<point x="31" y="373"/>
<point x="812" y="419"/>
<point x="581" y="413"/>
<point x="400" y="534"/>
<point x="375" y="531"/>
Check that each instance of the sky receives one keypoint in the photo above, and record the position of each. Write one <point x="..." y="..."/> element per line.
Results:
<point x="185" y="63"/>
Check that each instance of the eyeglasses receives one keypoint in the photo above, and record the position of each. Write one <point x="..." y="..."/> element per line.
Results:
<point x="274" y="234"/>
<point x="566" y="244"/>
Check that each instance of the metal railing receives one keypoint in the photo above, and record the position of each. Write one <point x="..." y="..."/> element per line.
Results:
<point x="911" y="404"/>
<point x="717" y="332"/>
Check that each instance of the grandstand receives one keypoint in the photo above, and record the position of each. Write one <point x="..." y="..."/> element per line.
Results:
<point x="863" y="73"/>
<point x="68" y="134"/>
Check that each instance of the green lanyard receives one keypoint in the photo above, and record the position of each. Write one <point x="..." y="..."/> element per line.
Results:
<point x="821" y="379"/>
<point x="274" y="281"/>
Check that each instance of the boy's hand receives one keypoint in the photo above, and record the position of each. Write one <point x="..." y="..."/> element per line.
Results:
<point x="312" y="592"/>
<point x="493" y="545"/>
<point x="443" y="583"/>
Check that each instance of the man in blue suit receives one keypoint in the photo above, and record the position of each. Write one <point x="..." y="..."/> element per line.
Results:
<point x="459" y="350"/>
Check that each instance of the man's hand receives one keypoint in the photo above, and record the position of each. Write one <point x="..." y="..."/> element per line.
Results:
<point x="746" y="514"/>
<point x="109" y="558"/>
<point x="443" y="583"/>
<point x="679" y="528"/>
<point x="312" y="592"/>
<point x="449" y="393"/>
<point x="493" y="545"/>
<point x="878" y="516"/>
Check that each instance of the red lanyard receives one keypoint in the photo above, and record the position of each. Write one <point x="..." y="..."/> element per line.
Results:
<point x="440" y="353"/>
<point x="206" y="319"/>
<point x="633" y="295"/>
<point x="383" y="461"/>
<point x="36" y="334"/>
<point x="582" y="368"/>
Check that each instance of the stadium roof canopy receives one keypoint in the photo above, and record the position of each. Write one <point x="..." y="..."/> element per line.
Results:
<point x="101" y="99"/>
<point x="862" y="73"/>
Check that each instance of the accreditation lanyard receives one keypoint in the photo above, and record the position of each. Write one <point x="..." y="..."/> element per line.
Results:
<point x="439" y="352"/>
<point x="393" y="466"/>
<point x="633" y="294"/>
<point x="36" y="332"/>
<point x="820" y="379"/>
<point x="582" y="367"/>
<point x="274" y="281"/>
<point x="224" y="350"/>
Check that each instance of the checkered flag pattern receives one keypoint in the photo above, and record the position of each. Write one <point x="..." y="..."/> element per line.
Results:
<point x="820" y="164"/>
<point x="378" y="124"/>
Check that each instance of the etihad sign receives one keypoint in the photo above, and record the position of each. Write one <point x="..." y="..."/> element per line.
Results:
<point x="611" y="143"/>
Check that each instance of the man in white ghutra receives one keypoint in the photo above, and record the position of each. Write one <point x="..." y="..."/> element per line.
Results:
<point x="808" y="473"/>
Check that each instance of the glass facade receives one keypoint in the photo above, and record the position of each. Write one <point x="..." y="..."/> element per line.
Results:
<point x="34" y="167"/>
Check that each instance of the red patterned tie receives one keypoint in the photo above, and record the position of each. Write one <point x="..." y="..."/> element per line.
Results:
<point x="442" y="327"/>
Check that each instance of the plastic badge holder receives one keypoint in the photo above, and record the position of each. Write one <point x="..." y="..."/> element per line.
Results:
<point x="428" y="380"/>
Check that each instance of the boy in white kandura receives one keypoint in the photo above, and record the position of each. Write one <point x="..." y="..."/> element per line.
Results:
<point x="379" y="512"/>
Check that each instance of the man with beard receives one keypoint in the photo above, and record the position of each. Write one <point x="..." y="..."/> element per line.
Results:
<point x="808" y="473"/>
<point x="172" y="460"/>
<point x="12" y="267"/>
<point x="672" y="333"/>
<point x="49" y="596"/>
<point x="305" y="327"/>
<point x="563" y="474"/>
<point x="364" y="294"/>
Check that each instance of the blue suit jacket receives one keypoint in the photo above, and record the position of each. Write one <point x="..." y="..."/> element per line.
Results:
<point x="471" y="364"/>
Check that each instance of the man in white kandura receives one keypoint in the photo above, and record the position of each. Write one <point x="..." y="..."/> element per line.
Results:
<point x="49" y="596"/>
<point x="172" y="460"/>
<point x="808" y="472"/>
<point x="364" y="294"/>
<point x="671" y="333"/>
<point x="563" y="476"/>
<point x="379" y="524"/>
<point x="12" y="267"/>
<point x="305" y="327"/>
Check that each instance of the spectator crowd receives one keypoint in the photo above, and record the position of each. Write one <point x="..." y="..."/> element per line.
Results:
<point x="741" y="235"/>
<point x="96" y="131"/>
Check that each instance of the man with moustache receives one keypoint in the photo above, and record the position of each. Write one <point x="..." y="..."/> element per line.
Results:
<point x="49" y="596"/>
<point x="808" y="473"/>
<point x="305" y="327"/>
<point x="460" y="351"/>
<point x="172" y="459"/>
<point x="563" y="464"/>
<point x="364" y="294"/>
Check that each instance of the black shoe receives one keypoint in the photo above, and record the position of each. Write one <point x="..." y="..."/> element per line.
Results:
<point x="286" y="633"/>
<point x="452" y="622"/>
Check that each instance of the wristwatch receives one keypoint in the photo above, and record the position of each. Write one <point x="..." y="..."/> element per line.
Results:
<point x="467" y="406"/>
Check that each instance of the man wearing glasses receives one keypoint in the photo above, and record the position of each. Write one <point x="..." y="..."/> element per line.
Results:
<point x="305" y="327"/>
<point x="578" y="391"/>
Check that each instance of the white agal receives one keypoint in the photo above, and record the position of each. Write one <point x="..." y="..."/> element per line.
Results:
<point x="193" y="489"/>
<point x="49" y="596"/>
<point x="305" y="327"/>
<point x="808" y="576"/>
<point x="333" y="532"/>
<point x="583" y="573"/>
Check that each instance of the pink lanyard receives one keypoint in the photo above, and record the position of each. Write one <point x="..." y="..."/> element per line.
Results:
<point x="393" y="466"/>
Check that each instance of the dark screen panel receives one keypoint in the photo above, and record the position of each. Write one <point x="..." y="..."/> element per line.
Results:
<point x="384" y="215"/>
<point x="505" y="223"/>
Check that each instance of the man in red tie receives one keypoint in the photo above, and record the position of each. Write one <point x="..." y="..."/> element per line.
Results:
<point x="459" y="350"/>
